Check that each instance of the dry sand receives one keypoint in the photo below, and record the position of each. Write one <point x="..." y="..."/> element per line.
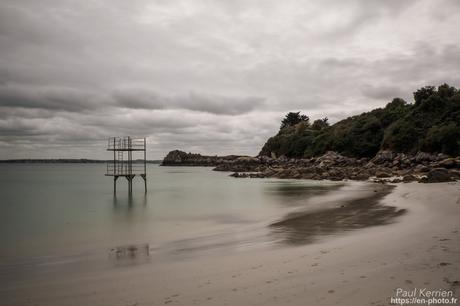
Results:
<point x="362" y="267"/>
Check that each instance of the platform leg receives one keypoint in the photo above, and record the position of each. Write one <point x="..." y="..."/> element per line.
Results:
<point x="130" y="185"/>
<point x="114" y="185"/>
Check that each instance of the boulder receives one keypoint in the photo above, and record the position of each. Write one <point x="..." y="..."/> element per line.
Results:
<point x="423" y="156"/>
<point x="247" y="160"/>
<point x="441" y="156"/>
<point x="362" y="176"/>
<point x="369" y="165"/>
<point x="437" y="175"/>
<point x="332" y="158"/>
<point x="447" y="163"/>
<point x="282" y="159"/>
<point x="239" y="175"/>
<point x="383" y="156"/>
<point x="421" y="169"/>
<point x="382" y="173"/>
<point x="455" y="174"/>
<point x="307" y="175"/>
<point x="409" y="178"/>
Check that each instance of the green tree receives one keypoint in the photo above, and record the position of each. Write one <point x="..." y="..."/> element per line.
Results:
<point x="443" y="138"/>
<point x="446" y="91"/>
<point x="423" y="93"/>
<point x="320" y="124"/>
<point x="291" y="119"/>
<point x="393" y="111"/>
<point x="431" y="124"/>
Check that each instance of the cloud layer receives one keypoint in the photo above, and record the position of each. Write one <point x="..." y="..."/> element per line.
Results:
<point x="208" y="76"/>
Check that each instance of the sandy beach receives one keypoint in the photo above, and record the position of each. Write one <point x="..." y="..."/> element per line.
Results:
<point x="229" y="153"/>
<point x="421" y="249"/>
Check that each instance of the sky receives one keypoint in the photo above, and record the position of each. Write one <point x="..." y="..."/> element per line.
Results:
<point x="212" y="77"/>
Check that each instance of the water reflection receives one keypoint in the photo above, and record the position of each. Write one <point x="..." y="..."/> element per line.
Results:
<point x="129" y="201"/>
<point x="295" y="193"/>
<point x="130" y="254"/>
<point x="304" y="228"/>
<point x="128" y="210"/>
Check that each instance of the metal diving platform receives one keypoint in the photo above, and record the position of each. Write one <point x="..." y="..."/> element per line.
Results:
<point x="129" y="160"/>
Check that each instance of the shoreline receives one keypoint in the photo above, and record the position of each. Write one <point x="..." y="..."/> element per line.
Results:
<point x="385" y="166"/>
<point x="421" y="249"/>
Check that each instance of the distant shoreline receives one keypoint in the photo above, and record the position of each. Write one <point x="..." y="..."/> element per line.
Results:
<point x="66" y="161"/>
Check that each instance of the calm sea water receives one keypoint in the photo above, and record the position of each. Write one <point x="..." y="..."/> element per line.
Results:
<point x="50" y="211"/>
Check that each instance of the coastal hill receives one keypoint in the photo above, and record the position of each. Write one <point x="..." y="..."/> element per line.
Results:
<point x="400" y="142"/>
<point x="430" y="124"/>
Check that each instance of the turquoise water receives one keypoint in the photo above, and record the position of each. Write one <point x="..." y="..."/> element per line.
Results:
<point x="50" y="211"/>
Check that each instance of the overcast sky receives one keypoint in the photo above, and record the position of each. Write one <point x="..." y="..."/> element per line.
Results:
<point x="213" y="77"/>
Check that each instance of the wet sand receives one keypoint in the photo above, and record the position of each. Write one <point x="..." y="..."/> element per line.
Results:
<point x="415" y="243"/>
<point x="349" y="214"/>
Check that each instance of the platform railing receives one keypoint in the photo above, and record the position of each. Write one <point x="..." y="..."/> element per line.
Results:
<point x="124" y="168"/>
<point x="126" y="143"/>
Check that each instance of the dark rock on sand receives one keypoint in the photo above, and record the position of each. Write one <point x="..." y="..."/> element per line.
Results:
<point x="438" y="175"/>
<point x="383" y="173"/>
<point x="237" y="174"/>
<point x="409" y="178"/>
<point x="447" y="163"/>
<point x="385" y="166"/>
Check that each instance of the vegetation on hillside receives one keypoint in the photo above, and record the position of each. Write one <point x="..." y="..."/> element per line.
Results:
<point x="430" y="124"/>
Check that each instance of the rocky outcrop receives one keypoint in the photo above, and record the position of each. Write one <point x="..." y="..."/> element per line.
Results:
<point x="385" y="166"/>
<point x="180" y="158"/>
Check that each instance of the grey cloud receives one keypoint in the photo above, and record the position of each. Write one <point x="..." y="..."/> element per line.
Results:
<point x="213" y="76"/>
<point x="18" y="131"/>
<point x="66" y="99"/>
<point x="382" y="92"/>
<point x="211" y="103"/>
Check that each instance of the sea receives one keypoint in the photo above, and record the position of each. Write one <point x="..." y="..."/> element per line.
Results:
<point x="59" y="218"/>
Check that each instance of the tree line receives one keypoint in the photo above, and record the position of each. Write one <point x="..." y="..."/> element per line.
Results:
<point x="430" y="124"/>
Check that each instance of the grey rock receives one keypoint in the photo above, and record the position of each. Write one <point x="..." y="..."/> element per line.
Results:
<point x="383" y="173"/>
<point x="409" y="178"/>
<point x="423" y="156"/>
<point x="383" y="156"/>
<point x="447" y="163"/>
<point x="437" y="175"/>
